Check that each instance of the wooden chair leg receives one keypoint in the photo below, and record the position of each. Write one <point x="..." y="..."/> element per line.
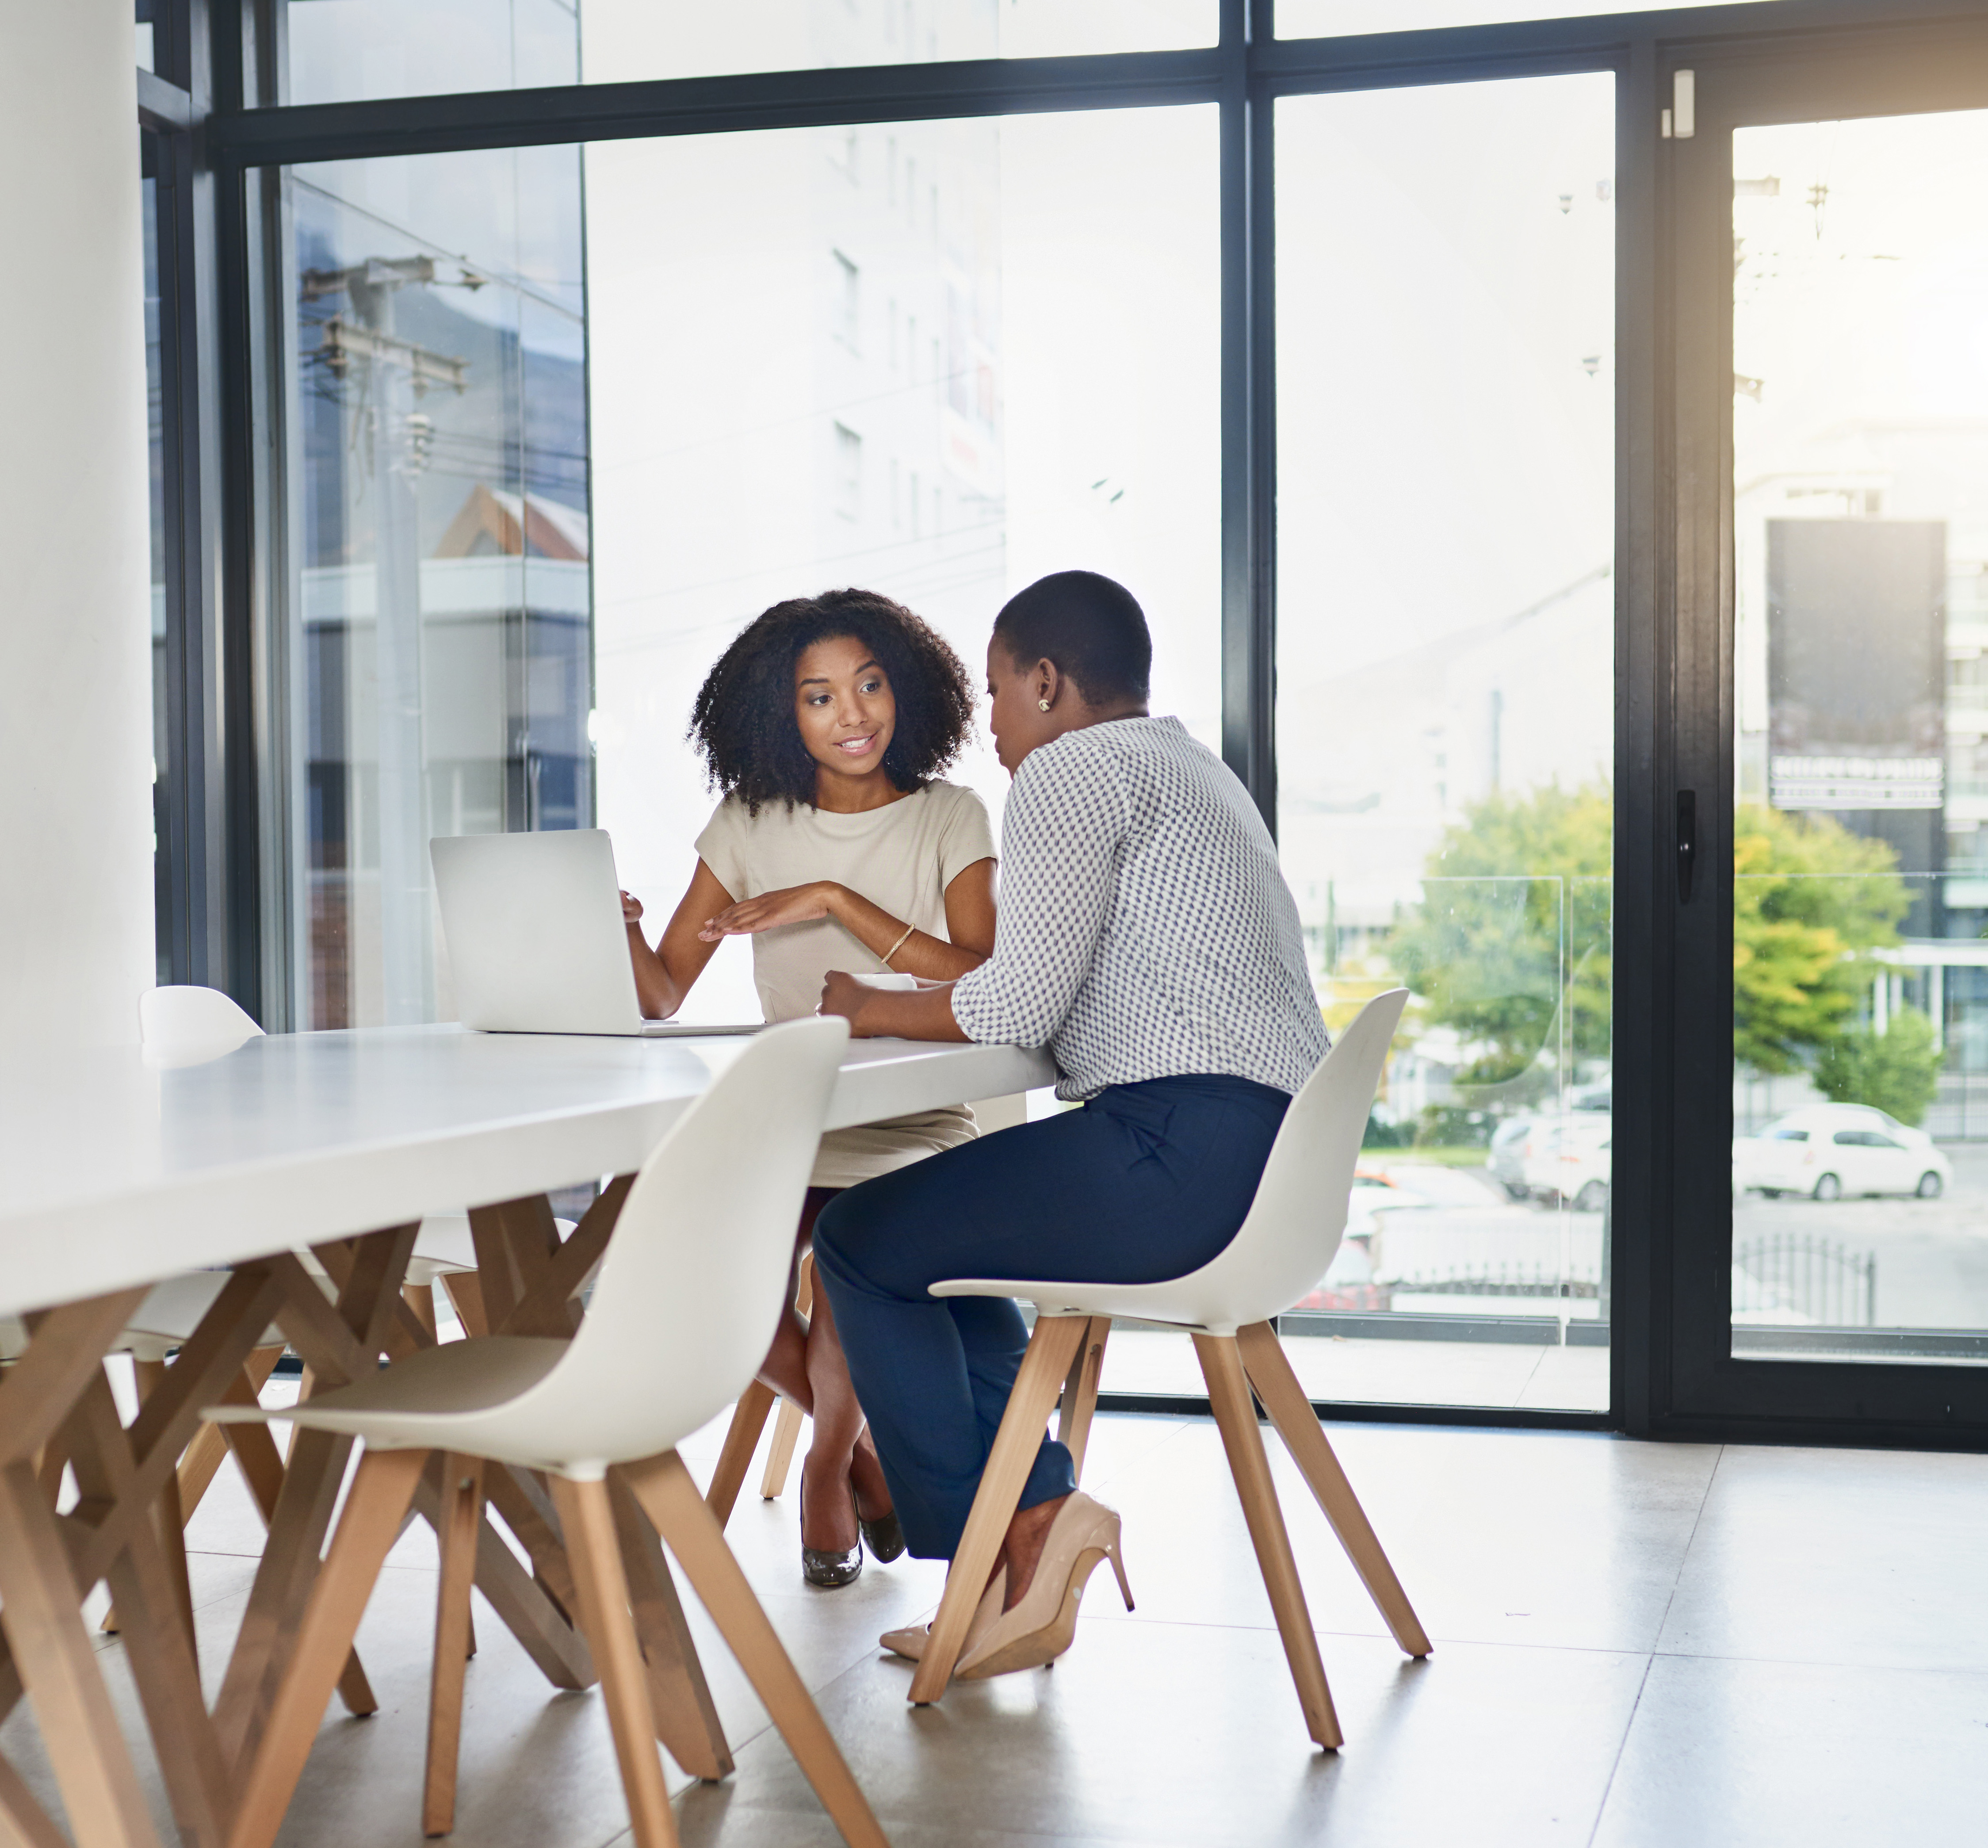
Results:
<point x="780" y="1454"/>
<point x="787" y="1425"/>
<point x="461" y="1514"/>
<point x="1269" y="1370"/>
<point x="1080" y="1392"/>
<point x="465" y="1296"/>
<point x="1228" y="1394"/>
<point x="420" y="1298"/>
<point x="1051" y="1348"/>
<point x="587" y="1515"/>
<point x="669" y="1495"/>
<point x="687" y="1720"/>
<point x="381" y="1493"/>
<point x="742" y="1439"/>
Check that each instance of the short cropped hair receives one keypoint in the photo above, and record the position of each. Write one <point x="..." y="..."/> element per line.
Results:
<point x="742" y="724"/>
<point x="1090" y="627"/>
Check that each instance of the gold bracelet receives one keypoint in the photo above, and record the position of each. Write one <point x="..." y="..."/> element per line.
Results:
<point x="897" y="946"/>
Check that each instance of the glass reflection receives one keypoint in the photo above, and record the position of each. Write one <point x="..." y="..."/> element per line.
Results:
<point x="442" y="605"/>
<point x="1445" y="713"/>
<point x="1861" y="893"/>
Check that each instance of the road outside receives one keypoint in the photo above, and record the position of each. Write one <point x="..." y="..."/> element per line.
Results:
<point x="1931" y="1254"/>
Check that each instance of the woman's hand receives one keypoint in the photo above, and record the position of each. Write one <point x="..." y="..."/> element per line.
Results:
<point x="879" y="1014"/>
<point x="792" y="904"/>
<point x="844" y="995"/>
<point x="631" y="909"/>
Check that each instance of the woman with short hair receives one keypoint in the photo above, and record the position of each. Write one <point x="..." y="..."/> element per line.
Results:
<point x="1147" y="939"/>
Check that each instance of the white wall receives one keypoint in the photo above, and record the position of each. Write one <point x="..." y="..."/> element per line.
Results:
<point x="76" y="828"/>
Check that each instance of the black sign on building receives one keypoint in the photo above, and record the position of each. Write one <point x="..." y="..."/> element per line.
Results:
<point x="1856" y="685"/>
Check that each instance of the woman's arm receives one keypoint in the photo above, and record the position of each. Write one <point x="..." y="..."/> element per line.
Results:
<point x="892" y="1013"/>
<point x="664" y="976"/>
<point x="969" y="923"/>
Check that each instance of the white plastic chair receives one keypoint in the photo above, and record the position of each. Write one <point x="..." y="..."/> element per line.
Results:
<point x="681" y="1314"/>
<point x="1285" y="1244"/>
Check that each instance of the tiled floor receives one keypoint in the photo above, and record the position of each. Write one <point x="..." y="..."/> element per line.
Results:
<point x="1636" y="1644"/>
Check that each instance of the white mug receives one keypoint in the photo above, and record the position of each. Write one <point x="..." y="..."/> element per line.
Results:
<point x="888" y="979"/>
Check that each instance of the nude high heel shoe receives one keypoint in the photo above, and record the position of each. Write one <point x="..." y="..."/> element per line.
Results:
<point x="910" y="1642"/>
<point x="1043" y="1624"/>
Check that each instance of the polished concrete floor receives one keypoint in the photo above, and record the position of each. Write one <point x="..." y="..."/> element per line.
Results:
<point x="1693" y="1646"/>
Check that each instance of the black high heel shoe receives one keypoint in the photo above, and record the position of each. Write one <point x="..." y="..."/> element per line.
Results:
<point x="829" y="1569"/>
<point x="884" y="1537"/>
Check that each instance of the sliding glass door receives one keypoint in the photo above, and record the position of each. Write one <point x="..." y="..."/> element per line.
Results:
<point x="1445" y="713"/>
<point x="1832" y="276"/>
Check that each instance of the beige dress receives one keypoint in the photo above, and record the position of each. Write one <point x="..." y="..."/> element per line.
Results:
<point x="902" y="857"/>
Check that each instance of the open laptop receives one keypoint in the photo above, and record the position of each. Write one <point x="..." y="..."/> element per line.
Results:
<point x="535" y="940"/>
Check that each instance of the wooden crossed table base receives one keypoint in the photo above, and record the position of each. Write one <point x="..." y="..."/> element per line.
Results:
<point x="56" y="1402"/>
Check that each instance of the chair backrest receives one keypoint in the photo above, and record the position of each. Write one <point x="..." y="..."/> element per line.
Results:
<point x="689" y="1296"/>
<point x="1287" y="1242"/>
<point x="184" y="1026"/>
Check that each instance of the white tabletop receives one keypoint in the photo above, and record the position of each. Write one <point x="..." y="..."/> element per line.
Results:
<point x="114" y="1174"/>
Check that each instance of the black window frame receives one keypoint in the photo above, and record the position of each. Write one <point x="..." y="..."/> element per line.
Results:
<point x="237" y="133"/>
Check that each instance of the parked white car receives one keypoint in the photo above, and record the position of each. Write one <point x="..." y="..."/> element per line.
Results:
<point x="1569" y="1160"/>
<point x="1829" y="1150"/>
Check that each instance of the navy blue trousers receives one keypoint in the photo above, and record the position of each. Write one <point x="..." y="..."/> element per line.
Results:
<point x="1146" y="1182"/>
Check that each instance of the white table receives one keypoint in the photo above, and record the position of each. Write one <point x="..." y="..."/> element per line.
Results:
<point x="114" y="1175"/>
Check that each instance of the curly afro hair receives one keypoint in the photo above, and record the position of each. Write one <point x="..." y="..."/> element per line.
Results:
<point x="742" y="724"/>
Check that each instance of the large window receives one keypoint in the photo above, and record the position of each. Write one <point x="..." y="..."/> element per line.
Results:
<point x="439" y="606"/>
<point x="346" y="50"/>
<point x="1445" y="710"/>
<point x="563" y="337"/>
<point x="1860" y="901"/>
<point x="911" y="356"/>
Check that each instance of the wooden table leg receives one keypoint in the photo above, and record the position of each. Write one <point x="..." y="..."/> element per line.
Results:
<point x="171" y="1516"/>
<point x="158" y="1645"/>
<point x="32" y="1826"/>
<point x="340" y="1344"/>
<point x="49" y="1656"/>
<point x="37" y="1608"/>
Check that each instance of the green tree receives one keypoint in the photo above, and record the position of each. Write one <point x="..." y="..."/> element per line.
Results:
<point x="1520" y="891"/>
<point x="1897" y="1071"/>
<point x="1516" y="893"/>
<point x="1810" y="900"/>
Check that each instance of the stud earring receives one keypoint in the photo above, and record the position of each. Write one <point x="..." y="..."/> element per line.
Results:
<point x="1042" y="705"/>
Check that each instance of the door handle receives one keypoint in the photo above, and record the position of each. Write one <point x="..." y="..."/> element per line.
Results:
<point x="1687" y="842"/>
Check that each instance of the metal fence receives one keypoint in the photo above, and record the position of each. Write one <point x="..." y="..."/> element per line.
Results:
<point x="1959" y="1112"/>
<point x="1799" y="1277"/>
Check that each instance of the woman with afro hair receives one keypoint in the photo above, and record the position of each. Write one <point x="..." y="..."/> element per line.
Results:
<point x="834" y="846"/>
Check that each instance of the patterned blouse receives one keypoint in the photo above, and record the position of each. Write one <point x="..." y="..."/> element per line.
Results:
<point x="1145" y="929"/>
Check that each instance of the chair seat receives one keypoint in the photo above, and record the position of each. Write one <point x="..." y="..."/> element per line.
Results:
<point x="425" y="1400"/>
<point x="172" y="1310"/>
<point x="1185" y="1302"/>
<point x="445" y="1245"/>
<point x="165" y="1320"/>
